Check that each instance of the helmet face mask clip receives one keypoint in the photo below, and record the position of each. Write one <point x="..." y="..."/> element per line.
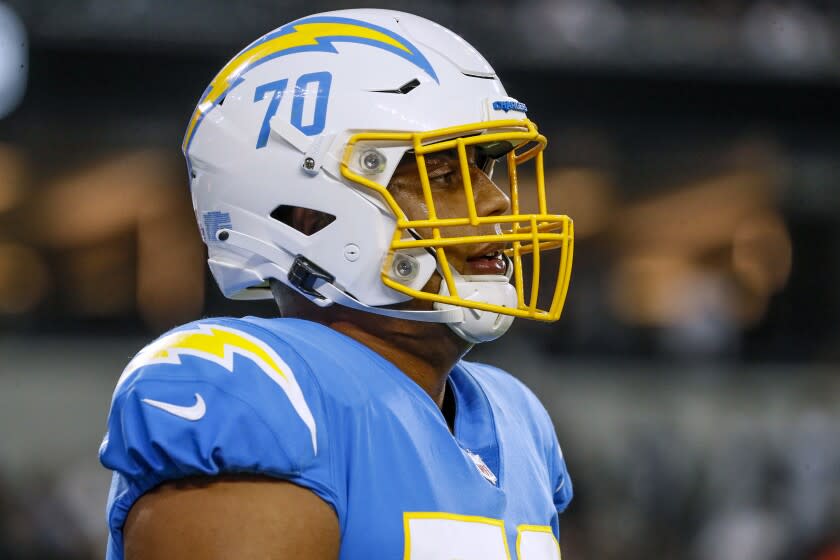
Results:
<point x="308" y="124"/>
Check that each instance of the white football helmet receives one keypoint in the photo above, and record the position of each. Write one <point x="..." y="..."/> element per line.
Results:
<point x="317" y="114"/>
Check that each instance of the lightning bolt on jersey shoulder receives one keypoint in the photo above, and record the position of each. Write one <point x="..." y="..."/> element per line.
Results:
<point x="220" y="344"/>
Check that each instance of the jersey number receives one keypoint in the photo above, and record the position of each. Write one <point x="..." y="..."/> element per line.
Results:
<point x="315" y="84"/>
<point x="443" y="536"/>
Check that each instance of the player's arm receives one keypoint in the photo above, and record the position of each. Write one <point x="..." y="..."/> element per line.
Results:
<point x="231" y="517"/>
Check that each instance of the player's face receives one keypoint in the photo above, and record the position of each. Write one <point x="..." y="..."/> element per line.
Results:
<point x="450" y="202"/>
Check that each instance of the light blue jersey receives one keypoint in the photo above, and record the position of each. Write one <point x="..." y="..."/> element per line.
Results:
<point x="298" y="401"/>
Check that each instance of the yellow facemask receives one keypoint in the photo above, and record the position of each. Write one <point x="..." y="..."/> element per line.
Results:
<point x="530" y="236"/>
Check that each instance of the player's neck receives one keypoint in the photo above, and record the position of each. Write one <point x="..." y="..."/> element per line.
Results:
<point x="424" y="352"/>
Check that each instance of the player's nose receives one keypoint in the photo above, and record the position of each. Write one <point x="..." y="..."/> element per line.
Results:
<point x="490" y="200"/>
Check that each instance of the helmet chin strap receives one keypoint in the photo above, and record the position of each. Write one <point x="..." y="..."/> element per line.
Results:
<point x="335" y="295"/>
<point x="472" y="325"/>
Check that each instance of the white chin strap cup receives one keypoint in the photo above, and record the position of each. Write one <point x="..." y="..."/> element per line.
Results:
<point x="481" y="326"/>
<point x="472" y="325"/>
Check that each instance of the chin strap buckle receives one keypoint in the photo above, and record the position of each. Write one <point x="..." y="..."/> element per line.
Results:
<point x="304" y="273"/>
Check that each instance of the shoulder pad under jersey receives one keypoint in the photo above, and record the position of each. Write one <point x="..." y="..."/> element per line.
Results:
<point x="216" y="396"/>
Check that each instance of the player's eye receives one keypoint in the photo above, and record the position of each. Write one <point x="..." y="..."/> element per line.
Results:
<point x="442" y="174"/>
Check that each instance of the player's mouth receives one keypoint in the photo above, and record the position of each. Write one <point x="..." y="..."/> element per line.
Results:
<point x="490" y="262"/>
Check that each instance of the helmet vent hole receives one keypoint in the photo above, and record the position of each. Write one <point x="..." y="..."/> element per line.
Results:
<point x="305" y="220"/>
<point x="479" y="76"/>
<point x="407" y="87"/>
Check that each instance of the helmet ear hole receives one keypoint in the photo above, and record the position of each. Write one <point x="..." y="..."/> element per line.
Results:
<point x="305" y="220"/>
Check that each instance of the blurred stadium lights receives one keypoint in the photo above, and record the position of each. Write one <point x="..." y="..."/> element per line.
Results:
<point x="170" y="260"/>
<point x="24" y="278"/>
<point x="670" y="272"/>
<point x="585" y="26"/>
<point x="587" y="194"/>
<point x="792" y="36"/>
<point x="12" y="177"/>
<point x="693" y="219"/>
<point x="88" y="205"/>
<point x="648" y="289"/>
<point x="13" y="60"/>
<point x="749" y="38"/>
<point x="23" y="273"/>
<point x="124" y="238"/>
<point x="762" y="254"/>
<point x="98" y="280"/>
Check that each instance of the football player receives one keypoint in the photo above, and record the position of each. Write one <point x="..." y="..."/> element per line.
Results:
<point x="343" y="165"/>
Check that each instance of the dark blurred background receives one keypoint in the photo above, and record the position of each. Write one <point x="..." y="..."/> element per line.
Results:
<point x="693" y="376"/>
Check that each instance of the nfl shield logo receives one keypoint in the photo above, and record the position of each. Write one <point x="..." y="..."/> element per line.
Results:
<point x="482" y="468"/>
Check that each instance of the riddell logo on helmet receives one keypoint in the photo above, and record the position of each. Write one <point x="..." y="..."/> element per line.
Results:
<point x="510" y="106"/>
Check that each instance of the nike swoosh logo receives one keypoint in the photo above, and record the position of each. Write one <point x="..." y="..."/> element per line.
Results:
<point x="192" y="413"/>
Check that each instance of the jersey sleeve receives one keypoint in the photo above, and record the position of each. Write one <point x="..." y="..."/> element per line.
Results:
<point x="561" y="481"/>
<point x="215" y="397"/>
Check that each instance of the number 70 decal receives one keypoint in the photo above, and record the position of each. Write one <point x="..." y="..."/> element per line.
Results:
<point x="302" y="89"/>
